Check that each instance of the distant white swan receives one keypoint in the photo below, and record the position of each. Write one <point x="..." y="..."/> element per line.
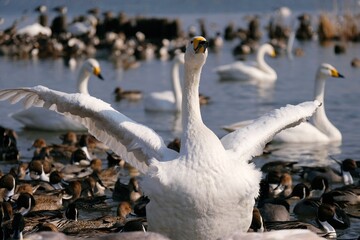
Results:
<point x="34" y="29"/>
<point x="43" y="119"/>
<point x="321" y="129"/>
<point x="259" y="70"/>
<point x="191" y="192"/>
<point x="168" y="100"/>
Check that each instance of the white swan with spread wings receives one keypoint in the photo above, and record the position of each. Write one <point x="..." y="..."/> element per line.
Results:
<point x="205" y="191"/>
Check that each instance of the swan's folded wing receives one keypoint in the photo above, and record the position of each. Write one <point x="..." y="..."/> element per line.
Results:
<point x="135" y="143"/>
<point x="250" y="141"/>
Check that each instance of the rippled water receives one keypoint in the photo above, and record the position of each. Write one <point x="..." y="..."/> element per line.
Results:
<point x="230" y="101"/>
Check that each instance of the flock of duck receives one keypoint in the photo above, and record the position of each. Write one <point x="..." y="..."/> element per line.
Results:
<point x="206" y="188"/>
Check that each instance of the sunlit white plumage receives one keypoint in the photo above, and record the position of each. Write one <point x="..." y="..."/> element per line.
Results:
<point x="205" y="191"/>
<point x="168" y="100"/>
<point x="293" y="234"/>
<point x="34" y="30"/>
<point x="320" y="129"/>
<point x="39" y="118"/>
<point x="241" y="70"/>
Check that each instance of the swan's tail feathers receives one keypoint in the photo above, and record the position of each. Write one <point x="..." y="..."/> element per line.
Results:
<point x="251" y="140"/>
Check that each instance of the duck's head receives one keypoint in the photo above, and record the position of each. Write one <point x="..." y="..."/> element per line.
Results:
<point x="93" y="67"/>
<point x="349" y="165"/>
<point x="326" y="213"/>
<point x="319" y="183"/>
<point x="96" y="165"/>
<point x="38" y="143"/>
<point x="72" y="212"/>
<point x="300" y="191"/>
<point x="25" y="203"/>
<point x="72" y="191"/>
<point x="7" y="181"/>
<point x="36" y="169"/>
<point x="257" y="221"/>
<point x="196" y="52"/>
<point x="124" y="209"/>
<point x="327" y="70"/>
<point x="69" y="138"/>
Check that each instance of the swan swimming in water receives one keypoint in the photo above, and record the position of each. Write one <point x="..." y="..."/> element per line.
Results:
<point x="259" y="71"/>
<point x="42" y="119"/>
<point x="170" y="101"/>
<point x="167" y="101"/>
<point x="321" y="129"/>
<point x="205" y="191"/>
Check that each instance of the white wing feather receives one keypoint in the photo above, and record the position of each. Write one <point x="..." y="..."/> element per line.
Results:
<point x="250" y="141"/>
<point x="134" y="142"/>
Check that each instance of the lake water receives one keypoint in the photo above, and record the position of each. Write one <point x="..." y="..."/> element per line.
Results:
<point x="230" y="101"/>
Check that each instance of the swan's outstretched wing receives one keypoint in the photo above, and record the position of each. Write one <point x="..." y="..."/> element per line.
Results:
<point x="134" y="142"/>
<point x="250" y="141"/>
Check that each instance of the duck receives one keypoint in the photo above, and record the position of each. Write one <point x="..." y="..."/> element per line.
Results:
<point x="307" y="206"/>
<point x="347" y="168"/>
<point x="321" y="130"/>
<point x="73" y="225"/>
<point x="127" y="192"/>
<point x="343" y="196"/>
<point x="259" y="71"/>
<point x="323" y="227"/>
<point x="40" y="119"/>
<point x="28" y="202"/>
<point x="175" y="181"/>
<point x="40" y="170"/>
<point x="8" y="183"/>
<point x="8" y="145"/>
<point x="131" y="95"/>
<point x="107" y="176"/>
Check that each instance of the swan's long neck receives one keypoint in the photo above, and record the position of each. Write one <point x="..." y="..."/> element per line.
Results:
<point x="262" y="64"/>
<point x="196" y="135"/>
<point x="320" y="119"/>
<point x="191" y="116"/>
<point x="177" y="89"/>
<point x="190" y="101"/>
<point x="83" y="80"/>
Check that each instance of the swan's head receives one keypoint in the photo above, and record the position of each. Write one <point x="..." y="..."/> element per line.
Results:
<point x="326" y="70"/>
<point x="93" y="67"/>
<point x="196" y="52"/>
<point x="269" y="49"/>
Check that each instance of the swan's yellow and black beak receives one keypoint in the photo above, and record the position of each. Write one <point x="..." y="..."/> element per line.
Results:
<point x="335" y="73"/>
<point x="273" y="53"/>
<point x="97" y="72"/>
<point x="200" y="44"/>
